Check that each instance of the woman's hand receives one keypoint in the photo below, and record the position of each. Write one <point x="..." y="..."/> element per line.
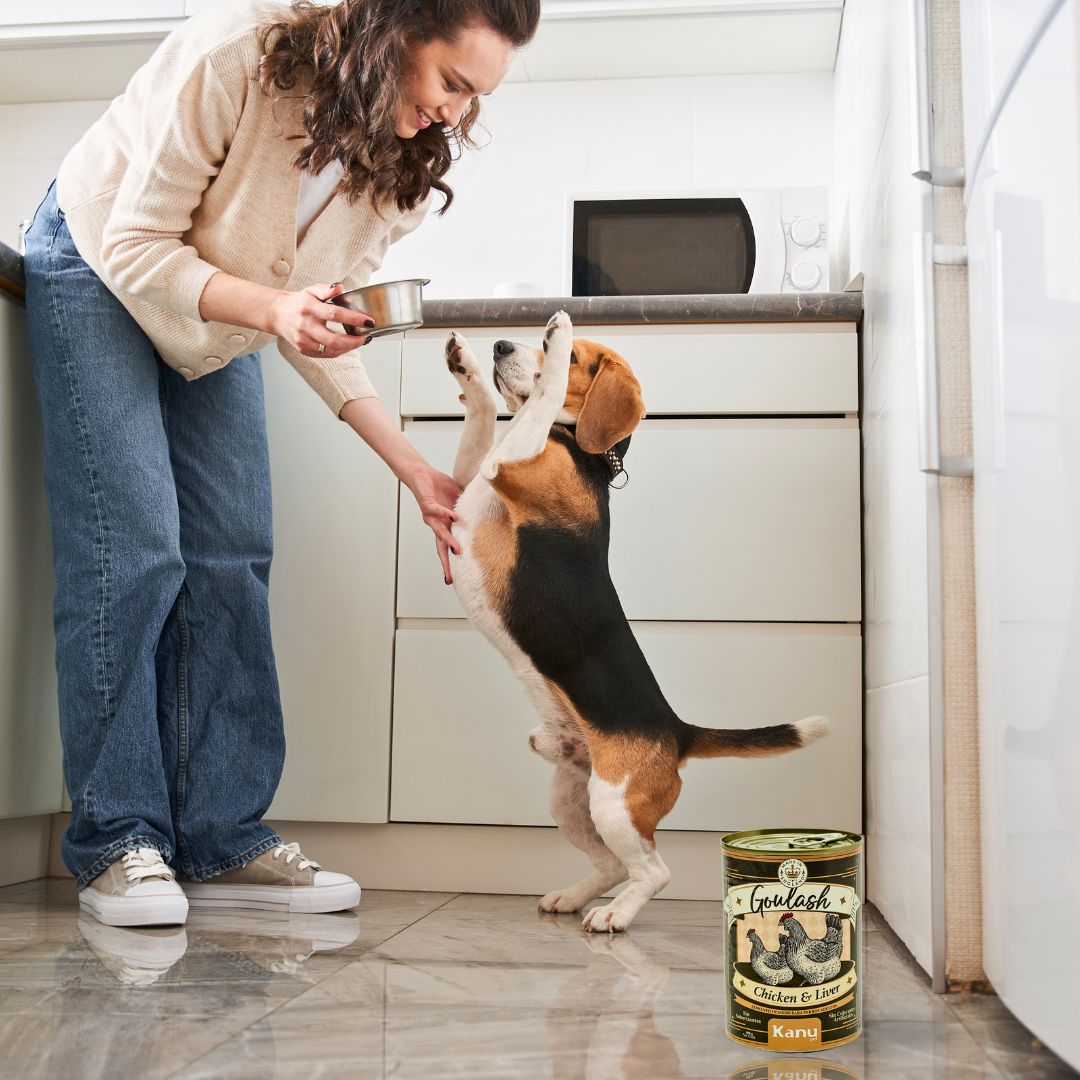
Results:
<point x="436" y="493"/>
<point x="300" y="318"/>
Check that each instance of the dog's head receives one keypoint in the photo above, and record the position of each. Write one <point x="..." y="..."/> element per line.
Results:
<point x="603" y="397"/>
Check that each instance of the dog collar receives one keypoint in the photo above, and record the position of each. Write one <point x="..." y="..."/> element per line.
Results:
<point x="614" y="463"/>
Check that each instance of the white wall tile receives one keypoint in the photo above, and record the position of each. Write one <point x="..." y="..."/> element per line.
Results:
<point x="875" y="211"/>
<point x="898" y="811"/>
<point x="50" y="129"/>
<point x="763" y="130"/>
<point x="894" y="524"/>
<point x="33" y="141"/>
<point x="546" y="140"/>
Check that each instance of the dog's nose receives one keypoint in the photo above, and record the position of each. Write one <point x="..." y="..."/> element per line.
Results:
<point x="503" y="348"/>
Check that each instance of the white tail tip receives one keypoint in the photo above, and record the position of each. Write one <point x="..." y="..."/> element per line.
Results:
<point x="811" y="728"/>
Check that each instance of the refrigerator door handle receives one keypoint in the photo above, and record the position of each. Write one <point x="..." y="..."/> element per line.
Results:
<point x="926" y="379"/>
<point x="919" y="112"/>
<point x="925" y="256"/>
<point x="919" y="86"/>
<point x="997" y="358"/>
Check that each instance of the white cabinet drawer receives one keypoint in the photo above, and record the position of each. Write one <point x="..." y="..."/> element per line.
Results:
<point x="684" y="370"/>
<point x="742" y="520"/>
<point x="462" y="721"/>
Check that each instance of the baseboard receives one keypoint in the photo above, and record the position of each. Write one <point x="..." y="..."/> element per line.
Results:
<point x="474" y="858"/>
<point x="25" y="842"/>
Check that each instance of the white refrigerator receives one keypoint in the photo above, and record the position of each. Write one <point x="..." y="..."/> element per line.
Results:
<point x="1021" y="75"/>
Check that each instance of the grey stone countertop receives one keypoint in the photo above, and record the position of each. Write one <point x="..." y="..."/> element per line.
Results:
<point x="718" y="307"/>
<point x="11" y="272"/>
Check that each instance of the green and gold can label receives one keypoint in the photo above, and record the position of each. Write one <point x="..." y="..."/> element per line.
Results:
<point x="792" y="900"/>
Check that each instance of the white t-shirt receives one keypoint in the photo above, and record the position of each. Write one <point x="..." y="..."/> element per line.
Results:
<point x="315" y="194"/>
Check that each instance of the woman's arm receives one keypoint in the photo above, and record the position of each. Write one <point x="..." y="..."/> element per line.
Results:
<point x="435" y="492"/>
<point x="298" y="317"/>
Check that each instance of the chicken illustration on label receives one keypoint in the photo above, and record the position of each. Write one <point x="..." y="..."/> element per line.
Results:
<point x="812" y="960"/>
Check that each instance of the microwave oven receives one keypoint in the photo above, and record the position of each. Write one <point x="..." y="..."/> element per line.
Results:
<point x="759" y="240"/>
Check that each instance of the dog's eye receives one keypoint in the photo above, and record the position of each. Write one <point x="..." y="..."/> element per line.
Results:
<point x="573" y="357"/>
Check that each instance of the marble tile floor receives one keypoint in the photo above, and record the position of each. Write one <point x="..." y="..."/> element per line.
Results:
<point x="432" y="985"/>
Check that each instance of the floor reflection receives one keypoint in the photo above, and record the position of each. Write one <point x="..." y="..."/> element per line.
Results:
<point x="442" y="986"/>
<point x="618" y="987"/>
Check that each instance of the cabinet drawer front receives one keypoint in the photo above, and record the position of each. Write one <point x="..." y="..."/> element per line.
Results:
<point x="332" y="601"/>
<point x="760" y="369"/>
<point x="721" y="520"/>
<point x="462" y="722"/>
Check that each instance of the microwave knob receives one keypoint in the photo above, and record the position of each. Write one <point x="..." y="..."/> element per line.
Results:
<point x="805" y="275"/>
<point x="806" y="231"/>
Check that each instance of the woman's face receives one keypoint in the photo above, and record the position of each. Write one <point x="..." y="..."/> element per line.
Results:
<point x="445" y="78"/>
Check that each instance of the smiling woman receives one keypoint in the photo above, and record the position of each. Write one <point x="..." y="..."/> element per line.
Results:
<point x="264" y="148"/>
<point x="395" y="83"/>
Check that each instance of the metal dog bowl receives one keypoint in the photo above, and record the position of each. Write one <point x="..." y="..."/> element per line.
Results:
<point x="394" y="305"/>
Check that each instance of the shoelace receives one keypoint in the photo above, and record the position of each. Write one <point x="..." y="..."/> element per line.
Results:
<point x="146" y="863"/>
<point x="293" y="851"/>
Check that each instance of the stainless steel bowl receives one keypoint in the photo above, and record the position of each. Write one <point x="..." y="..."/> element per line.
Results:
<point x="394" y="305"/>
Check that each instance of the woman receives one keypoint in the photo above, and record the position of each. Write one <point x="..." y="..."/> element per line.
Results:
<point x="262" y="151"/>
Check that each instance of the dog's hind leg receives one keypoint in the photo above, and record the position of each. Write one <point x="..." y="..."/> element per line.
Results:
<point x="626" y="814"/>
<point x="480" y="408"/>
<point x="570" y="810"/>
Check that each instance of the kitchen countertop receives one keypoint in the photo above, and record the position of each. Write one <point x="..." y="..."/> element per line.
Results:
<point x="722" y="307"/>
<point x="11" y="272"/>
<point x="716" y="307"/>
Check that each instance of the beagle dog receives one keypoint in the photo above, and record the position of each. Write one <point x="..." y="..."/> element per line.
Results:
<point x="533" y="576"/>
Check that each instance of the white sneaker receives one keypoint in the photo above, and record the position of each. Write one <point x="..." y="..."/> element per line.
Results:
<point x="138" y="889"/>
<point x="135" y="957"/>
<point x="281" y="879"/>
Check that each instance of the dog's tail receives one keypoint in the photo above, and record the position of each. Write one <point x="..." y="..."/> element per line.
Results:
<point x="754" y="742"/>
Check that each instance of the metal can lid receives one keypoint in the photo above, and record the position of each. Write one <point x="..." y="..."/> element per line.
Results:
<point x="793" y="841"/>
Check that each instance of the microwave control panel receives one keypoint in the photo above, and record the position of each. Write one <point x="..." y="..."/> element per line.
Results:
<point x="806" y="239"/>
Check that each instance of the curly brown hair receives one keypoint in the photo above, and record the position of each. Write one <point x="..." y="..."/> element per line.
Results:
<point x="356" y="55"/>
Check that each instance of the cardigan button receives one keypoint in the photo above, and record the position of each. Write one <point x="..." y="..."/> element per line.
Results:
<point x="236" y="339"/>
<point x="186" y="372"/>
<point x="214" y="361"/>
<point x="282" y="268"/>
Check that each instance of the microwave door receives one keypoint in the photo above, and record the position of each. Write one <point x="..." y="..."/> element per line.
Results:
<point x="765" y="220"/>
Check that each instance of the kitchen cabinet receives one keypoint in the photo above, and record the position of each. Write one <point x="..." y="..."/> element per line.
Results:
<point x="332" y="596"/>
<point x="735" y="548"/>
<point x="769" y="369"/>
<point x="30" y="764"/>
<point x="78" y="11"/>
<point x="462" y="721"/>
<point x="720" y="520"/>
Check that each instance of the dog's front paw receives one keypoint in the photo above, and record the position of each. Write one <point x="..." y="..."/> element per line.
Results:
<point x="559" y="332"/>
<point x="463" y="365"/>
<point x="459" y="357"/>
<point x="605" y="920"/>
<point x="558" y="346"/>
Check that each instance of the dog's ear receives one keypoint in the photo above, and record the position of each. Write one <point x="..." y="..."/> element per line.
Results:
<point x="612" y="407"/>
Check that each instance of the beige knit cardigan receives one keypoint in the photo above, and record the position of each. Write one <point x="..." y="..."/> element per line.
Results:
<point x="190" y="172"/>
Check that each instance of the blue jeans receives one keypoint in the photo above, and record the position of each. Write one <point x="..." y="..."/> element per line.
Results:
<point x="159" y="497"/>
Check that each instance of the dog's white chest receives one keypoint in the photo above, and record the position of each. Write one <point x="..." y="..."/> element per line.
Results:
<point x="479" y="502"/>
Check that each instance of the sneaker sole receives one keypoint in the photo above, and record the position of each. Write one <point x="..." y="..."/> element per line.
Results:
<point x="134" y="910"/>
<point x="300" y="898"/>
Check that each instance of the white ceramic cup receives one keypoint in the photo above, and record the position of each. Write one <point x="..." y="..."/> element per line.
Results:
<point x="518" y="288"/>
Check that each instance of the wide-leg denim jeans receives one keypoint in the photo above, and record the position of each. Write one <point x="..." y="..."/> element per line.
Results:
<point x="159" y="497"/>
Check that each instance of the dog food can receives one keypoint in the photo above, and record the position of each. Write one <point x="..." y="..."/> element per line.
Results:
<point x="794" y="955"/>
